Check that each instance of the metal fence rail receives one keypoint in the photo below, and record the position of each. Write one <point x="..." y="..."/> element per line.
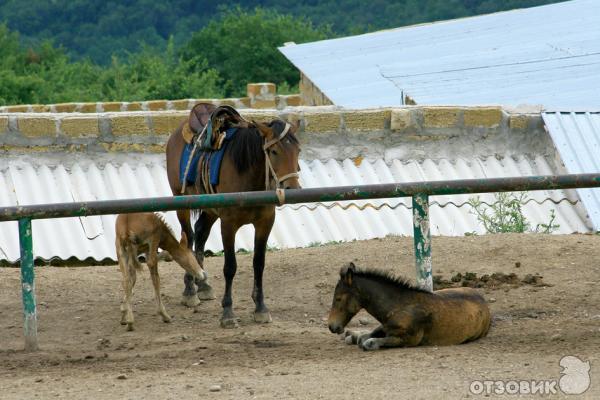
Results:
<point x="419" y="191"/>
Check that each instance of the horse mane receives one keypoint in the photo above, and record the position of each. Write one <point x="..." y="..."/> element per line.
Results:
<point x="164" y="223"/>
<point x="246" y="148"/>
<point x="387" y="277"/>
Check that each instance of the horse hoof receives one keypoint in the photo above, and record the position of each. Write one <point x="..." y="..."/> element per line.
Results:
<point x="190" y="301"/>
<point x="206" y="293"/>
<point x="130" y="326"/>
<point x="348" y="340"/>
<point x="369" y="345"/>
<point x="229" y="323"/>
<point x="166" y="320"/>
<point x="263" y="318"/>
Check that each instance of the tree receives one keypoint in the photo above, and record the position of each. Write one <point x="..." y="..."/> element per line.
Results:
<point x="46" y="74"/>
<point x="242" y="47"/>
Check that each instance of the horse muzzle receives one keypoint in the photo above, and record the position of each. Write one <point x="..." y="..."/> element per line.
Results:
<point x="291" y="183"/>
<point x="336" y="328"/>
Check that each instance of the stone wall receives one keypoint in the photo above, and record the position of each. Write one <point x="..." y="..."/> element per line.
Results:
<point x="411" y="132"/>
<point x="311" y="94"/>
<point x="260" y="95"/>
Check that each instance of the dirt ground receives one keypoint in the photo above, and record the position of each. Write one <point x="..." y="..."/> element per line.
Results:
<point x="85" y="352"/>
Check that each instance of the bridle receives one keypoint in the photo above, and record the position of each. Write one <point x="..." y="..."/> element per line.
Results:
<point x="269" y="171"/>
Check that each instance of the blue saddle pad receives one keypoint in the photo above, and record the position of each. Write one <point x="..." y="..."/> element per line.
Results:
<point x="183" y="161"/>
<point x="214" y="159"/>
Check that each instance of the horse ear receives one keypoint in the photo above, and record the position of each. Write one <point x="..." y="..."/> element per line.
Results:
<point x="347" y="273"/>
<point x="296" y="125"/>
<point x="184" y="241"/>
<point x="264" y="130"/>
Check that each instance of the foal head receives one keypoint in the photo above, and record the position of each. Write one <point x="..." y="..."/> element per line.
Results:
<point x="345" y="300"/>
<point x="281" y="151"/>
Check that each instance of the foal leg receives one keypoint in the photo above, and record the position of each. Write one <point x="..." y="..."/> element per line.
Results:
<point x="405" y="340"/>
<point x="228" y="232"/>
<point x="262" y="230"/>
<point x="357" y="337"/>
<point x="405" y="329"/>
<point x="153" y="267"/>
<point x="202" y="228"/>
<point x="127" y="266"/>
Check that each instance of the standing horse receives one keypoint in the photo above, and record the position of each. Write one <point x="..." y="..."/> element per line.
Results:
<point x="259" y="157"/>
<point x="408" y="316"/>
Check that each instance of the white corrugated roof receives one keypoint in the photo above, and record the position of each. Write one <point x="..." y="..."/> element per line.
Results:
<point x="548" y="55"/>
<point x="576" y="136"/>
<point x="37" y="180"/>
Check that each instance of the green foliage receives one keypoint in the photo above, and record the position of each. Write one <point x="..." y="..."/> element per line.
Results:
<point x="242" y="46"/>
<point x="505" y="215"/>
<point x="46" y="74"/>
<point x="550" y="226"/>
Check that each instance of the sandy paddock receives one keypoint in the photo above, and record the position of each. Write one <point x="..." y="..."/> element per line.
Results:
<point x="87" y="354"/>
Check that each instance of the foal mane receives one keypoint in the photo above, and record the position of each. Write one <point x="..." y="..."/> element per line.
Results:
<point x="246" y="148"/>
<point x="161" y="220"/>
<point x="388" y="277"/>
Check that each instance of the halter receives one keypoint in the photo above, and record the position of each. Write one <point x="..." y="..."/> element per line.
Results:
<point x="269" y="167"/>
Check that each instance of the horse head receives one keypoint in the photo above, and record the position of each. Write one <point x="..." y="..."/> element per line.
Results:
<point x="345" y="300"/>
<point x="281" y="149"/>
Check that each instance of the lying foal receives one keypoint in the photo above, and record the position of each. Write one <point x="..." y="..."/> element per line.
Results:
<point x="408" y="316"/>
<point x="145" y="233"/>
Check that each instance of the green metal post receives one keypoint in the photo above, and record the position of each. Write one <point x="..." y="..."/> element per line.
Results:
<point x="28" y="285"/>
<point x="422" y="240"/>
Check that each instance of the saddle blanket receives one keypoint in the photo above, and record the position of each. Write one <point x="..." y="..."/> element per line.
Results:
<point x="213" y="158"/>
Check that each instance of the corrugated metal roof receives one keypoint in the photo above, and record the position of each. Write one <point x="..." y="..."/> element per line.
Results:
<point x="36" y="180"/>
<point x="576" y="136"/>
<point x="547" y="55"/>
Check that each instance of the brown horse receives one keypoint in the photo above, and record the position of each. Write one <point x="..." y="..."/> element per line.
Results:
<point x="408" y="316"/>
<point x="253" y="160"/>
<point x="145" y="233"/>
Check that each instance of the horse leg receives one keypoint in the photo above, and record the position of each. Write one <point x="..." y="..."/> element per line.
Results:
<point x="357" y="337"/>
<point x="189" y="297"/>
<point x="228" y="232"/>
<point x="262" y="230"/>
<point x="152" y="263"/>
<point x="124" y="284"/>
<point x="202" y="228"/>
<point x="405" y="340"/>
<point x="405" y="329"/>
<point x="127" y="266"/>
<point x="186" y="226"/>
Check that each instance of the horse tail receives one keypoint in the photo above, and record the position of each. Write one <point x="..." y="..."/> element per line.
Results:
<point x="127" y="255"/>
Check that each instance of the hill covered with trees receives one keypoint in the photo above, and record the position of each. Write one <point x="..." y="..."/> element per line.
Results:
<point x="82" y="50"/>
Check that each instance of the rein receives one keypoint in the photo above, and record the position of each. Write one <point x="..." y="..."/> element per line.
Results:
<point x="269" y="170"/>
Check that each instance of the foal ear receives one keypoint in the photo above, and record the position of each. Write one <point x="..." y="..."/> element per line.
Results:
<point x="347" y="273"/>
<point x="263" y="129"/>
<point x="184" y="241"/>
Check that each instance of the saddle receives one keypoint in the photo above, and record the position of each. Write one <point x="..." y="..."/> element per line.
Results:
<point x="208" y="124"/>
<point x="207" y="129"/>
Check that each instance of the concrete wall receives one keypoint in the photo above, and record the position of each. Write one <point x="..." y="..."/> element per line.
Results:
<point x="407" y="133"/>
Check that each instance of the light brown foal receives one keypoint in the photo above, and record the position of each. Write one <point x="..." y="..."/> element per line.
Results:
<point x="145" y="233"/>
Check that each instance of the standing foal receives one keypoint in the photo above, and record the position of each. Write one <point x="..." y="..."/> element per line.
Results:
<point x="145" y="233"/>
